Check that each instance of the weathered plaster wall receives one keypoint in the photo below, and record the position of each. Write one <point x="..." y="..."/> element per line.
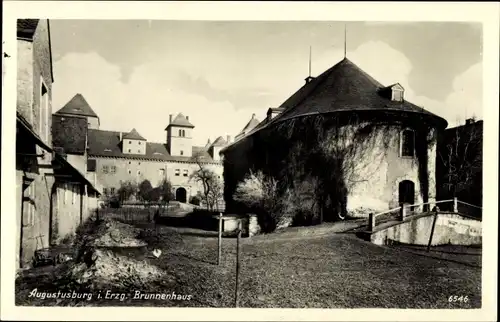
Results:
<point x="450" y="229"/>
<point x="141" y="170"/>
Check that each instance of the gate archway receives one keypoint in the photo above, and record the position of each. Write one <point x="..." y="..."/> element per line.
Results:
<point x="181" y="194"/>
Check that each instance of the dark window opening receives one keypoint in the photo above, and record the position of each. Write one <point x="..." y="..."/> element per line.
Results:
<point x="408" y="143"/>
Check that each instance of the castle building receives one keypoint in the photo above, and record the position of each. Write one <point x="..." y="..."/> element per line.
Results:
<point x="115" y="157"/>
<point x="349" y="141"/>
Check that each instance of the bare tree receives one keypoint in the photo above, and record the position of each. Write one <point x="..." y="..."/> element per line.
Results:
<point x="461" y="156"/>
<point x="206" y="177"/>
<point x="216" y="193"/>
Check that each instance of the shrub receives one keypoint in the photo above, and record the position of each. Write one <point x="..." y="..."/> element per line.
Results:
<point x="195" y="200"/>
<point x="260" y="195"/>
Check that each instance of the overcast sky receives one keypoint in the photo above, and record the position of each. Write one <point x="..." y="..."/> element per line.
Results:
<point x="134" y="73"/>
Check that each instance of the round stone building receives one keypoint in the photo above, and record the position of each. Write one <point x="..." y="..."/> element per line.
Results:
<point x="342" y="144"/>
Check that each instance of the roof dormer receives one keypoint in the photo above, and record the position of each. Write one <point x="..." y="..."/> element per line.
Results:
<point x="133" y="143"/>
<point x="397" y="92"/>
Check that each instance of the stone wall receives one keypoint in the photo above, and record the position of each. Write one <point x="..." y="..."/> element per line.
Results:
<point x="450" y="229"/>
<point x="372" y="170"/>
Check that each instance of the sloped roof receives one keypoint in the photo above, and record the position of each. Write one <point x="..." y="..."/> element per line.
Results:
<point x="181" y="120"/>
<point x="134" y="135"/>
<point x="250" y="125"/>
<point x="103" y="143"/>
<point x="343" y="87"/>
<point x="69" y="133"/>
<point x="26" y="27"/>
<point x="219" y="142"/>
<point x="77" y="106"/>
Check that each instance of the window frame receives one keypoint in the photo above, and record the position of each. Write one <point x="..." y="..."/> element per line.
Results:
<point x="402" y="143"/>
<point x="177" y="172"/>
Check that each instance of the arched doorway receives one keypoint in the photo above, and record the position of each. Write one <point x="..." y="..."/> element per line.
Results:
<point x="180" y="194"/>
<point x="407" y="192"/>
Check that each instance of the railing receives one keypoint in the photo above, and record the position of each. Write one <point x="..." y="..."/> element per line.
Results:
<point x="403" y="210"/>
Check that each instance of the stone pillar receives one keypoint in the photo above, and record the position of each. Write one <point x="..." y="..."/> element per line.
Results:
<point x="253" y="225"/>
<point x="431" y="167"/>
<point x="455" y="204"/>
<point x="402" y="212"/>
<point x="371" y="221"/>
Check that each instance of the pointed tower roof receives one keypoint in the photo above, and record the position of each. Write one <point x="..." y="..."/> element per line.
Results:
<point x="219" y="142"/>
<point x="134" y="135"/>
<point x="181" y="120"/>
<point x="251" y="124"/>
<point x="77" y="106"/>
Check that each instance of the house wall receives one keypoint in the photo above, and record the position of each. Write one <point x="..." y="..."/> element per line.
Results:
<point x="35" y="220"/>
<point x="34" y="67"/>
<point x="380" y="169"/>
<point x="93" y="122"/>
<point x="134" y="146"/>
<point x="67" y="215"/>
<point x="141" y="170"/>
<point x="25" y="79"/>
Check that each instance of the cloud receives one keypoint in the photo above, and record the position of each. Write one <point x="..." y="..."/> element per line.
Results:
<point x="220" y="93"/>
<point x="145" y="101"/>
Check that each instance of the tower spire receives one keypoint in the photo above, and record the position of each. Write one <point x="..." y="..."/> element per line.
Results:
<point x="345" y="40"/>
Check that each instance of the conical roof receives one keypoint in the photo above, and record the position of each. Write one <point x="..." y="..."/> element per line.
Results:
<point x="134" y="135"/>
<point x="344" y="87"/>
<point x="77" y="106"/>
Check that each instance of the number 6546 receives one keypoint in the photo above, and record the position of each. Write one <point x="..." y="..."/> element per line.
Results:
<point x="456" y="298"/>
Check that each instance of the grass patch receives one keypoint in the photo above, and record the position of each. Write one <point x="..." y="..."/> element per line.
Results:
<point x="297" y="268"/>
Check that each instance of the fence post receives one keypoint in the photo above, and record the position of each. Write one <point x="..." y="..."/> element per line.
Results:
<point x="402" y="212"/>
<point x="237" y="264"/>
<point x="371" y="221"/>
<point x="432" y="230"/>
<point x="455" y="204"/>
<point x="219" y="249"/>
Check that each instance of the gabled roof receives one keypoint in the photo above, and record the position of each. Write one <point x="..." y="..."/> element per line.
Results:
<point x="69" y="133"/>
<point x="134" y="135"/>
<point x="77" y="106"/>
<point x="107" y="144"/>
<point x="343" y="87"/>
<point x="181" y="120"/>
<point x="219" y="142"/>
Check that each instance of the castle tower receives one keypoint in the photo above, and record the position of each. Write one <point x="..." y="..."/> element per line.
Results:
<point x="179" y="136"/>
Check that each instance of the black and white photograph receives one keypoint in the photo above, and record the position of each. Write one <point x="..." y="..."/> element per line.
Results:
<point x="250" y="164"/>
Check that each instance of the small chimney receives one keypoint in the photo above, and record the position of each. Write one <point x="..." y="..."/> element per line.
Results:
<point x="170" y="119"/>
<point x="253" y="115"/>
<point x="469" y="121"/>
<point x="187" y="117"/>
<point x="309" y="79"/>
<point x="121" y="136"/>
<point x="228" y="139"/>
